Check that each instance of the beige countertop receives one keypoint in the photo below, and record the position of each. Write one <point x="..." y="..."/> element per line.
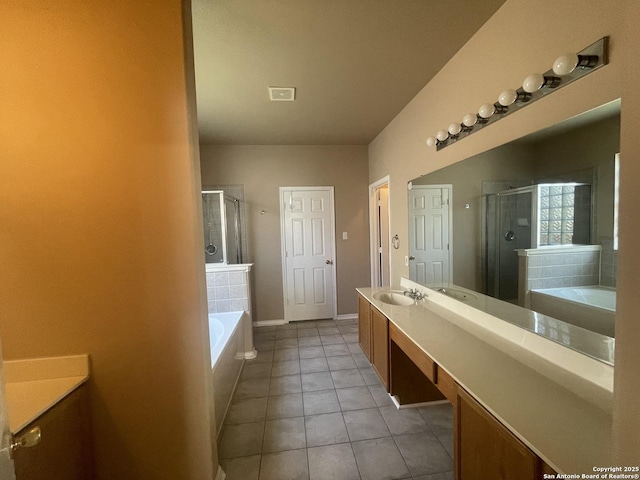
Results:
<point x="33" y="386"/>
<point x="557" y="401"/>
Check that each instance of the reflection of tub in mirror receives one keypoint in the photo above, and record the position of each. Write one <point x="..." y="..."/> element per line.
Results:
<point x="593" y="307"/>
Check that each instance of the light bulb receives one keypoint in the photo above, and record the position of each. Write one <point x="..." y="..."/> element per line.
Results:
<point x="508" y="97"/>
<point x="469" y="120"/>
<point x="442" y="135"/>
<point x="565" y="64"/>
<point x="486" y="110"/>
<point x="455" y="128"/>
<point x="533" y="83"/>
<point x="431" y="141"/>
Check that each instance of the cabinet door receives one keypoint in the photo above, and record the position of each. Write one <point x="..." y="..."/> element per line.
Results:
<point x="380" y="346"/>
<point x="486" y="449"/>
<point x="364" y="326"/>
<point x="64" y="452"/>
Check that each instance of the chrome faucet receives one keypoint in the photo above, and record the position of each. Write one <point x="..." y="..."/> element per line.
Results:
<point x="414" y="293"/>
<point x="442" y="290"/>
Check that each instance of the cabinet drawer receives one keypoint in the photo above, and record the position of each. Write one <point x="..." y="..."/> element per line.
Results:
<point x="447" y="385"/>
<point x="417" y="356"/>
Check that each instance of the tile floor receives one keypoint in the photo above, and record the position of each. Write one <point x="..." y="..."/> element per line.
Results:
<point x="311" y="407"/>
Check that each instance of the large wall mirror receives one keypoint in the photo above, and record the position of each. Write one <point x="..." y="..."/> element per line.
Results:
<point x="531" y="223"/>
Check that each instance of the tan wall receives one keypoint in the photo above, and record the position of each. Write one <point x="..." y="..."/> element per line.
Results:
<point x="627" y="383"/>
<point x="506" y="49"/>
<point x="262" y="170"/>
<point x="101" y="237"/>
<point x="592" y="146"/>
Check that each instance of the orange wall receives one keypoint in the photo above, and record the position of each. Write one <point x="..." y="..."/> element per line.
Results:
<point x="98" y="207"/>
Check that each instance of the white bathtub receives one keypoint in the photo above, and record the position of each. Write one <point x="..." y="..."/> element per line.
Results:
<point x="592" y="307"/>
<point x="227" y="358"/>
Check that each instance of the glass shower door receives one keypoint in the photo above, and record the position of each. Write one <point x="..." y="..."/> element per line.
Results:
<point x="213" y="210"/>
<point x="514" y="232"/>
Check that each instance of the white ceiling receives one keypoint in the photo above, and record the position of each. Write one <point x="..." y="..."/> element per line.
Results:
<point x="355" y="64"/>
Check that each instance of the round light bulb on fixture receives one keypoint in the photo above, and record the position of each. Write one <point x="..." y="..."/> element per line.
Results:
<point x="455" y="128"/>
<point x="533" y="83"/>
<point x="442" y="135"/>
<point x="486" y="110"/>
<point x="469" y="120"/>
<point x="565" y="64"/>
<point x="508" y="97"/>
<point x="431" y="141"/>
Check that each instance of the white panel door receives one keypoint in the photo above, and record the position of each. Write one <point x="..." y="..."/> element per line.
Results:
<point x="429" y="216"/>
<point x="307" y="218"/>
<point x="6" y="462"/>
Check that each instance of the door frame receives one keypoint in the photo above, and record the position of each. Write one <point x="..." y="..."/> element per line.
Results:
<point x="332" y="231"/>
<point x="373" y="226"/>
<point x="449" y="187"/>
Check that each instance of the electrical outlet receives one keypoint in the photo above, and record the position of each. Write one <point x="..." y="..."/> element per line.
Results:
<point x="345" y="236"/>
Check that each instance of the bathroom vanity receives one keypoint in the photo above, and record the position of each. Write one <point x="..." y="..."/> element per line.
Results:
<point x="50" y="394"/>
<point x="523" y="405"/>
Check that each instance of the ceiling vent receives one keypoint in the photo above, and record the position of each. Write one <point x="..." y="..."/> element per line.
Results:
<point x="282" y="94"/>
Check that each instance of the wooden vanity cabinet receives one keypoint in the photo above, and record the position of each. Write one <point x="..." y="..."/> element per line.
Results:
<point x="373" y="335"/>
<point x="364" y="325"/>
<point x="486" y="449"/>
<point x="380" y="346"/>
<point x="64" y="451"/>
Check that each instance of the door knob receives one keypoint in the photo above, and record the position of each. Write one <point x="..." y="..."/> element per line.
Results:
<point x="412" y="257"/>
<point x="328" y="262"/>
<point x="28" y="440"/>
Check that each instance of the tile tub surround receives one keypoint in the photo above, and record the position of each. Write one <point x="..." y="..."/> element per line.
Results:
<point x="229" y="290"/>
<point x="554" y="267"/>
<point x="309" y="406"/>
<point x="227" y="359"/>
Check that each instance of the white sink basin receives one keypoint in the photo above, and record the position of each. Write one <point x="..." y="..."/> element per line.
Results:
<point x="460" y="295"/>
<point x="394" y="297"/>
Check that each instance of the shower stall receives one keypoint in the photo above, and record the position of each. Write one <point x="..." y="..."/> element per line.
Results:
<point x="543" y="215"/>
<point x="222" y="228"/>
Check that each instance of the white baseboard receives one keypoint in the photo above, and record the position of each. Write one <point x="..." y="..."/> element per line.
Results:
<point x="220" y="475"/>
<point x="269" y="323"/>
<point x="415" y="405"/>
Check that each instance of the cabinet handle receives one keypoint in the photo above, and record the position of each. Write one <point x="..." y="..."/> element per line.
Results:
<point x="28" y="440"/>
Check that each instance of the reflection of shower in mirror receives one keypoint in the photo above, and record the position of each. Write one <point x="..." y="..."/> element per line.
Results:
<point x="550" y="214"/>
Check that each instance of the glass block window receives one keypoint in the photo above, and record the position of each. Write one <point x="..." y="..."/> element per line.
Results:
<point x="564" y="213"/>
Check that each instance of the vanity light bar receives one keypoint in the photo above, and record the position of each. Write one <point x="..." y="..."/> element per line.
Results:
<point x="566" y="69"/>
